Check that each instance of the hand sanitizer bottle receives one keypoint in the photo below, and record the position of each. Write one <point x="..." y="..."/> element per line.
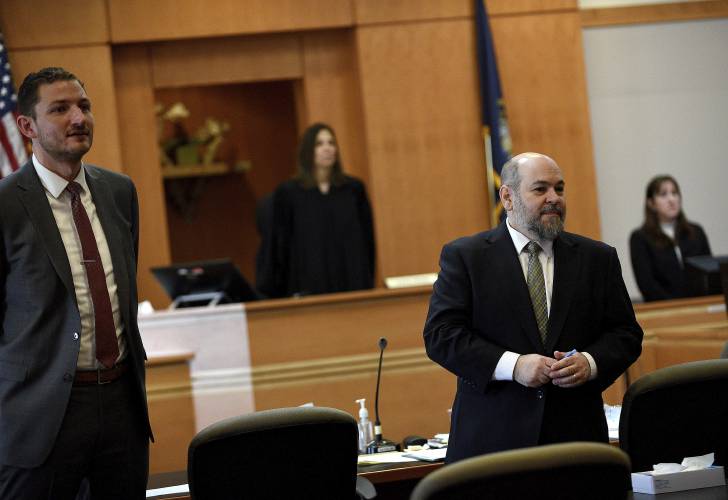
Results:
<point x="366" y="433"/>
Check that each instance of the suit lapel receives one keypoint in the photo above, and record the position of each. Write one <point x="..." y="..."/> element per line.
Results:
<point x="566" y="274"/>
<point x="510" y="277"/>
<point x="106" y="211"/>
<point x="33" y="197"/>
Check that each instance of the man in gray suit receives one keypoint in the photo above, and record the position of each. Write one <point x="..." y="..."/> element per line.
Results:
<point x="72" y="397"/>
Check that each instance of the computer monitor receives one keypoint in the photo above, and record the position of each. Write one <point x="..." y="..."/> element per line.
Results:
<point x="702" y="274"/>
<point x="207" y="282"/>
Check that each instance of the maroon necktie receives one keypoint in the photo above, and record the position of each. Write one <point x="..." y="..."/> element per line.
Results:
<point x="107" y="348"/>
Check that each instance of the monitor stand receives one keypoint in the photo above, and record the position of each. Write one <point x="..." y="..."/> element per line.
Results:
<point x="209" y="299"/>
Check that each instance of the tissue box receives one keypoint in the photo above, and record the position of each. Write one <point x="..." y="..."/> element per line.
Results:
<point x="678" y="481"/>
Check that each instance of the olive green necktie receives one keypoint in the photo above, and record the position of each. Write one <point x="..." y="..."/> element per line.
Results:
<point x="536" y="288"/>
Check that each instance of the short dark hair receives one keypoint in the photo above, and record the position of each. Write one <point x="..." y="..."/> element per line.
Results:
<point x="28" y="92"/>
<point x="306" y="149"/>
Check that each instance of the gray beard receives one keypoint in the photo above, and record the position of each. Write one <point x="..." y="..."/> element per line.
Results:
<point x="544" y="231"/>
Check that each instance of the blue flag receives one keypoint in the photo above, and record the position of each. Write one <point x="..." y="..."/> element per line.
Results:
<point x="496" y="137"/>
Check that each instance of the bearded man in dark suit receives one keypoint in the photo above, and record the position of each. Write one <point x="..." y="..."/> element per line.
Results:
<point x="72" y="398"/>
<point x="534" y="321"/>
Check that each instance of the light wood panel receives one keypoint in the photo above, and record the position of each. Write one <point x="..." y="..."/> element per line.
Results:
<point x="331" y="94"/>
<point x="138" y="20"/>
<point x="643" y="14"/>
<point x="507" y="7"/>
<point x="226" y="60"/>
<point x="171" y="411"/>
<point x="135" y="98"/>
<point x="331" y="353"/>
<point x="426" y="162"/>
<point x="92" y="64"/>
<point x="50" y="23"/>
<point x="541" y="63"/>
<point x="386" y="11"/>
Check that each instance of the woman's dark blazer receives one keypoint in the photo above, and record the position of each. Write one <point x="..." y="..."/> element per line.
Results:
<point x="658" y="272"/>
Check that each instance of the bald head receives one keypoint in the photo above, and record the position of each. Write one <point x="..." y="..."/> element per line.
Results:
<point x="510" y="173"/>
<point x="532" y="189"/>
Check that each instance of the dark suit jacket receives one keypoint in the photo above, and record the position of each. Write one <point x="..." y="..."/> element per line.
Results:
<point x="480" y="308"/>
<point x="38" y="312"/>
<point x="658" y="273"/>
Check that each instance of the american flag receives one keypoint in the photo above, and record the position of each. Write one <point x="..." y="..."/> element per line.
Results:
<point x="12" y="148"/>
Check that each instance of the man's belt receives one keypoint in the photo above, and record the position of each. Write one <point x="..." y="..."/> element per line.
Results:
<point x="100" y="376"/>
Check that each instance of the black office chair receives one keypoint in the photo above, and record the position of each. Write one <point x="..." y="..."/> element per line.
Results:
<point x="567" y="471"/>
<point x="675" y="412"/>
<point x="278" y="454"/>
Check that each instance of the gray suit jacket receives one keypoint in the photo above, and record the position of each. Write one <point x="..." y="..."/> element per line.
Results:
<point x="38" y="313"/>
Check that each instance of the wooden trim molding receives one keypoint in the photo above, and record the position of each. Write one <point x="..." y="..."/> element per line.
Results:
<point x="322" y="370"/>
<point x="660" y="13"/>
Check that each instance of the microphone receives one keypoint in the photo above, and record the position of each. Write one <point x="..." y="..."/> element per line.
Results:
<point x="380" y="445"/>
<point x="377" y="422"/>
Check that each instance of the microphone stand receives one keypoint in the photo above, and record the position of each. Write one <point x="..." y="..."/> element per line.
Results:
<point x="380" y="445"/>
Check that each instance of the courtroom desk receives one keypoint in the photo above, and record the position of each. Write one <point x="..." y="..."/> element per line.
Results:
<point x="676" y="331"/>
<point x="324" y="349"/>
<point x="392" y="481"/>
<point x="396" y="482"/>
<point x="679" y="331"/>
<point x="171" y="411"/>
<point x="321" y="349"/>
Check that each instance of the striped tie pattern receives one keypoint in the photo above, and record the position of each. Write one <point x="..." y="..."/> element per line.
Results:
<point x="537" y="289"/>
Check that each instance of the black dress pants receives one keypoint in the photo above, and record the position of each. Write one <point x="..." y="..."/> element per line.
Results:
<point x="103" y="439"/>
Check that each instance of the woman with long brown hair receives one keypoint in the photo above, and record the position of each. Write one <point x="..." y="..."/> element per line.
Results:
<point x="322" y="236"/>
<point x="666" y="238"/>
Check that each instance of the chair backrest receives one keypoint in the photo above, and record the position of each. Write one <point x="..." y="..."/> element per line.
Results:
<point x="675" y="412"/>
<point x="276" y="454"/>
<point x="557" y="471"/>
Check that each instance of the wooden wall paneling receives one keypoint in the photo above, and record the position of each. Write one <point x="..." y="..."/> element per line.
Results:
<point x="171" y="411"/>
<point x="508" y="7"/>
<point x="49" y="23"/>
<point x="135" y="20"/>
<point x="422" y="127"/>
<point x="140" y="153"/>
<point x="541" y="64"/>
<point x="331" y="93"/>
<point x="226" y="60"/>
<point x="92" y="64"/>
<point x="331" y="357"/>
<point x="386" y="11"/>
<point x="660" y="13"/>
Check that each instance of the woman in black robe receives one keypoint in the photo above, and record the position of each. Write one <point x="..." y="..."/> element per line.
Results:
<point x="322" y="239"/>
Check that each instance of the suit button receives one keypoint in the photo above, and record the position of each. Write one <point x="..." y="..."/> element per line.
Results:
<point x="67" y="377"/>
<point x="75" y="335"/>
<point x="540" y="394"/>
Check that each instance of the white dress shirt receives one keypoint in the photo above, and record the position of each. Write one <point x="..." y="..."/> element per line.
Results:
<point x="507" y="363"/>
<point x="60" y="202"/>
<point x="669" y="229"/>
